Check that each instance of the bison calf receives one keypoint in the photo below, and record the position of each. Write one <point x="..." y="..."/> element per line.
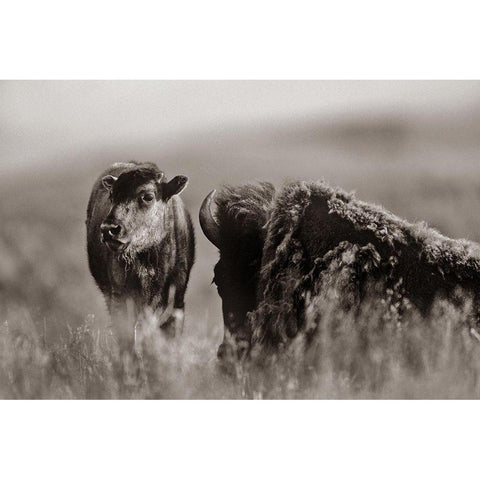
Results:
<point x="140" y="243"/>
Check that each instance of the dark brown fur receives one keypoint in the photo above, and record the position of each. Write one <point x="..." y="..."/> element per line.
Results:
<point x="243" y="212"/>
<point x="144" y="272"/>
<point x="317" y="236"/>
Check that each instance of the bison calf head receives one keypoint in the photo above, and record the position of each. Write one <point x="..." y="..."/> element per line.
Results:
<point x="137" y="218"/>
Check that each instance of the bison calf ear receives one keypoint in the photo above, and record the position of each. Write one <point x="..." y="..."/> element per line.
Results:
<point x="174" y="186"/>
<point x="108" y="181"/>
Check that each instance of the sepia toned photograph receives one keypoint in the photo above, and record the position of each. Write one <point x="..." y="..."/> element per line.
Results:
<point x="239" y="239"/>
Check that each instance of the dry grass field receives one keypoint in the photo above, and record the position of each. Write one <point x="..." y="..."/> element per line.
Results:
<point x="55" y="341"/>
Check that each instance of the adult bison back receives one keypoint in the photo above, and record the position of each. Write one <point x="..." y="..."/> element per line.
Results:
<point x="325" y="250"/>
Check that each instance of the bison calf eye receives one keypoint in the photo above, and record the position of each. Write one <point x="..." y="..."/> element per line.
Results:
<point x="148" y="197"/>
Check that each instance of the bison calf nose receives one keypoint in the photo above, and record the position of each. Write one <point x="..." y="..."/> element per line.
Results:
<point x="112" y="231"/>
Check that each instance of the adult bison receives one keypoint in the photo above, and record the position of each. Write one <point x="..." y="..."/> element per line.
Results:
<point x="280" y="252"/>
<point x="140" y="243"/>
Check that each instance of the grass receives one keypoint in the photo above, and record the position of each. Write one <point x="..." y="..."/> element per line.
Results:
<point x="55" y="339"/>
<point x="354" y="356"/>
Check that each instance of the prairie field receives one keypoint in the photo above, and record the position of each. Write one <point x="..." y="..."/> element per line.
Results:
<point x="55" y="338"/>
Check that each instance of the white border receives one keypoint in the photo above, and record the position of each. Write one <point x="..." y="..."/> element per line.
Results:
<point x="238" y="440"/>
<point x="252" y="39"/>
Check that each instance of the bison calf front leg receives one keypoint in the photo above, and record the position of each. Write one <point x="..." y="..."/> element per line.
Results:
<point x="173" y="323"/>
<point x="124" y="318"/>
<point x="175" y="317"/>
<point x="125" y="325"/>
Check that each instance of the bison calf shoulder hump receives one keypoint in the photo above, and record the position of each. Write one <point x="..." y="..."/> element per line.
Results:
<point x="140" y="243"/>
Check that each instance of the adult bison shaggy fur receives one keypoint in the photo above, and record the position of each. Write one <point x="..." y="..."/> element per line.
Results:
<point x="284" y="255"/>
<point x="140" y="243"/>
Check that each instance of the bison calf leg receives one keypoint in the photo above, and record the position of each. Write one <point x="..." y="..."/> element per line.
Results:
<point x="179" y="317"/>
<point x="128" y="366"/>
<point x="123" y="315"/>
<point x="175" y="321"/>
<point x="179" y="304"/>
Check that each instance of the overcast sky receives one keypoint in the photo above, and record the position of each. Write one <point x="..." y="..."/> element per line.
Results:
<point x="42" y="119"/>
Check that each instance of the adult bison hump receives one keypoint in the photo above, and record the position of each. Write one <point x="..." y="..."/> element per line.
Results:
<point x="325" y="247"/>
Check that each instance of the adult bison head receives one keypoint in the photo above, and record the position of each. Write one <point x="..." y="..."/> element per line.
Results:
<point x="137" y="218"/>
<point x="234" y="221"/>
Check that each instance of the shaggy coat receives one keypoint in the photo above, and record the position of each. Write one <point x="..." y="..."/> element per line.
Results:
<point x="311" y="237"/>
<point x="242" y="212"/>
<point x="156" y="262"/>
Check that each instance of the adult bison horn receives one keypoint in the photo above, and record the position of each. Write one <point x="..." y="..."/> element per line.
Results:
<point x="207" y="220"/>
